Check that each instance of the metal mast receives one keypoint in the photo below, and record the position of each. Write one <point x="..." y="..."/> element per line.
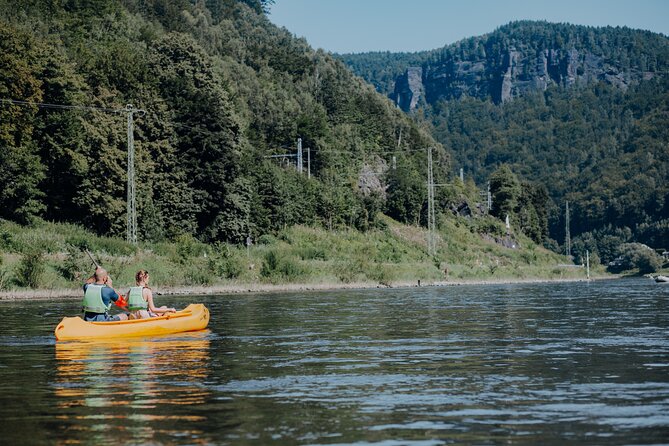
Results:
<point x="567" y="236"/>
<point x="299" y="155"/>
<point x="431" y="219"/>
<point x="131" y="196"/>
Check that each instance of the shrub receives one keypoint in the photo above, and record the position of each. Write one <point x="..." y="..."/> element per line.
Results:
<point x="80" y="242"/>
<point x="115" y="246"/>
<point x="226" y="263"/>
<point x="267" y="239"/>
<point x="637" y="255"/>
<point x="380" y="273"/>
<point x="4" y="275"/>
<point x="488" y="226"/>
<point x="312" y="253"/>
<point x="30" y="269"/>
<point x="7" y="242"/>
<point x="197" y="276"/>
<point x="391" y="251"/>
<point x="648" y="262"/>
<point x="187" y="248"/>
<point x="28" y="242"/>
<point x="353" y="269"/>
<point x="270" y="265"/>
<point x="291" y="269"/>
<point x="276" y="267"/>
<point x="344" y="272"/>
<point x="74" y="267"/>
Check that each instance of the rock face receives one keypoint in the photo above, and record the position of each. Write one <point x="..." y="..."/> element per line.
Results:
<point x="409" y="89"/>
<point x="370" y="178"/>
<point x="509" y="75"/>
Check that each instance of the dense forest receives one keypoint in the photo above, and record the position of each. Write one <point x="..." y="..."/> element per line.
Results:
<point x="223" y="96"/>
<point x="592" y="128"/>
<point x="223" y="93"/>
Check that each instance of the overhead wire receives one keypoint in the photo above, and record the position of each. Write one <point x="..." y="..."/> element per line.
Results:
<point x="153" y="115"/>
<point x="62" y="106"/>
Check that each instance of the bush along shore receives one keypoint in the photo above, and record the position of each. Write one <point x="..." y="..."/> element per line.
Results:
<point x="49" y="260"/>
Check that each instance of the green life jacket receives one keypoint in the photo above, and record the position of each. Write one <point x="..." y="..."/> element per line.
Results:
<point x="136" y="299"/>
<point x="93" y="302"/>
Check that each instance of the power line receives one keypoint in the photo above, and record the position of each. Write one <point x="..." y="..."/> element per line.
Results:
<point x="61" y="106"/>
<point x="175" y="124"/>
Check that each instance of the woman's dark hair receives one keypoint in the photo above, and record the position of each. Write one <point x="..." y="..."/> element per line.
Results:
<point x="141" y="275"/>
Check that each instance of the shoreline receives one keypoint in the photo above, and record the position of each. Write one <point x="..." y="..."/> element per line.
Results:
<point x="76" y="293"/>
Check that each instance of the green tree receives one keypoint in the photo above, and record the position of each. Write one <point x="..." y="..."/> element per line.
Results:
<point x="406" y="194"/>
<point x="20" y="168"/>
<point x="208" y="132"/>
<point x="506" y="191"/>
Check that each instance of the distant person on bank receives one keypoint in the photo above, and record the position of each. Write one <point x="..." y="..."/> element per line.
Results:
<point x="140" y="299"/>
<point x="98" y="298"/>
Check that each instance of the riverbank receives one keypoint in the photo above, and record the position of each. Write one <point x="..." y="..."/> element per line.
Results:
<point x="49" y="261"/>
<point x="23" y="295"/>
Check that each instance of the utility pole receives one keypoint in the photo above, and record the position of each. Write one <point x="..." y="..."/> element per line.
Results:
<point x="299" y="155"/>
<point x="431" y="220"/>
<point x="488" y="196"/>
<point x="567" y="236"/>
<point x="431" y="216"/>
<point x="308" y="162"/>
<point x="131" y="196"/>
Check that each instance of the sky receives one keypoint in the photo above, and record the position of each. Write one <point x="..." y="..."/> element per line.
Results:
<point x="355" y="26"/>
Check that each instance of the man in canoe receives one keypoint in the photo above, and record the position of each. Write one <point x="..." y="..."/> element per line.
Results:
<point x="98" y="298"/>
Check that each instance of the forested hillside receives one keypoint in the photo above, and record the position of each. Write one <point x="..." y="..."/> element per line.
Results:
<point x="582" y="111"/>
<point x="223" y="91"/>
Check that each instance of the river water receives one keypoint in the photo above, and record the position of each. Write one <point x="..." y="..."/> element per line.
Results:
<point x="577" y="363"/>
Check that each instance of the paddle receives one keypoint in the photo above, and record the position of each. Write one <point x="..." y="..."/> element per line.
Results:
<point x="97" y="265"/>
<point x="120" y="302"/>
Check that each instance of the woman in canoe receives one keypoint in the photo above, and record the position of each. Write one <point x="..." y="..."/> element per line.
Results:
<point x="140" y="299"/>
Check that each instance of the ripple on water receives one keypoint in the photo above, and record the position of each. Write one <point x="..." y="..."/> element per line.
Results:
<point x="578" y="363"/>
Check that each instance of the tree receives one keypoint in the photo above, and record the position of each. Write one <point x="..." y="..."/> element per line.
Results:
<point x="506" y="191"/>
<point x="20" y="168"/>
<point x="532" y="212"/>
<point x="637" y="255"/>
<point x="406" y="194"/>
<point x="208" y="131"/>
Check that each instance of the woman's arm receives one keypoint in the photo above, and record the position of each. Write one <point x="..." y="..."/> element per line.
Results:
<point x="148" y="294"/>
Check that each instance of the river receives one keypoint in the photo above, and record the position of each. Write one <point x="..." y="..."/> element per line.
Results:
<point x="577" y="363"/>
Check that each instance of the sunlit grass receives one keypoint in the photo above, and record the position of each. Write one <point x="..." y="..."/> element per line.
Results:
<point x="396" y="254"/>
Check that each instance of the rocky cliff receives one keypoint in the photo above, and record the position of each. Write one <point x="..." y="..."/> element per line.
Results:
<point x="513" y="74"/>
<point x="515" y="59"/>
<point x="409" y="89"/>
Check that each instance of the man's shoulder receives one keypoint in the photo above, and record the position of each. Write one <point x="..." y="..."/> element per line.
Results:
<point x="108" y="291"/>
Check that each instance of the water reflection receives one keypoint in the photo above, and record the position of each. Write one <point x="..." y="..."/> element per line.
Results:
<point x="136" y="386"/>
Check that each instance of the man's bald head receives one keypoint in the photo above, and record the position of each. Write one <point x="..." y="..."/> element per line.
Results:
<point x="101" y="274"/>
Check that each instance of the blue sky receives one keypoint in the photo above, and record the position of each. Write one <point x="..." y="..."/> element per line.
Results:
<point x="345" y="26"/>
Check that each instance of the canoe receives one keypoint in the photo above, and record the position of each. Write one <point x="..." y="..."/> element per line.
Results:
<point x="193" y="317"/>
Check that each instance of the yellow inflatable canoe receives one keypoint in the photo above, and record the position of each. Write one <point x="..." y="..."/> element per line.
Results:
<point x="193" y="317"/>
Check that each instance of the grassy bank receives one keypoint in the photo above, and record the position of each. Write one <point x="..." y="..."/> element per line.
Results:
<point x="50" y="256"/>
